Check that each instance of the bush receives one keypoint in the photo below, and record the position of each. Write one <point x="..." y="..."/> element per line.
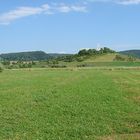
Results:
<point x="82" y="65"/>
<point x="58" y="66"/>
<point x="131" y="59"/>
<point x="79" y="59"/>
<point x="1" y="69"/>
<point x="119" y="58"/>
<point x="6" y="62"/>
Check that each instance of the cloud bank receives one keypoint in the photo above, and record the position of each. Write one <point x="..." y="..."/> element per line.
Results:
<point x="20" y="12"/>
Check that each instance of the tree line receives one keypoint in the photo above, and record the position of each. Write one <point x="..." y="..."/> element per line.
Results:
<point x="84" y="54"/>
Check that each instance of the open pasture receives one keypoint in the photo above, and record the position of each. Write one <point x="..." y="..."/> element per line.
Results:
<point x="69" y="104"/>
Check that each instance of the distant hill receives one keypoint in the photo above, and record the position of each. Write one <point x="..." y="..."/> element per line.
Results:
<point x="135" y="53"/>
<point x="83" y="55"/>
<point x="25" y="56"/>
<point x="29" y="56"/>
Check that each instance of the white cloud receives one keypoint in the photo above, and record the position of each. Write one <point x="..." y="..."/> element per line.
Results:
<point x="123" y="2"/>
<point x="20" y="12"/>
<point x="128" y="2"/>
<point x="63" y="8"/>
<point x="79" y="8"/>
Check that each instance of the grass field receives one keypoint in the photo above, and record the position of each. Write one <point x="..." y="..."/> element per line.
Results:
<point x="69" y="104"/>
<point x="102" y="58"/>
<point x="105" y="60"/>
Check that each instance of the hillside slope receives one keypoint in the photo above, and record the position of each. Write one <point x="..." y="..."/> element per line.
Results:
<point x="102" y="58"/>
<point x="29" y="56"/>
<point x="25" y="56"/>
<point x="135" y="53"/>
<point x="108" y="60"/>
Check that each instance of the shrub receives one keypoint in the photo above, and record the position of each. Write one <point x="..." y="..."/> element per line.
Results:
<point x="6" y="62"/>
<point x="131" y="59"/>
<point x="82" y="65"/>
<point x="58" y="66"/>
<point x="119" y="58"/>
<point x="1" y="69"/>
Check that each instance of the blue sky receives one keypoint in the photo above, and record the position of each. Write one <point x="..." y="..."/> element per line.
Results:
<point x="69" y="25"/>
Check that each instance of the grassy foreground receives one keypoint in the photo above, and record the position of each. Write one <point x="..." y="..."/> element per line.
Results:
<point x="69" y="104"/>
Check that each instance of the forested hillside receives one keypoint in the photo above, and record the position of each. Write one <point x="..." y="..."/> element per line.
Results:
<point x="29" y="56"/>
<point x="135" y="53"/>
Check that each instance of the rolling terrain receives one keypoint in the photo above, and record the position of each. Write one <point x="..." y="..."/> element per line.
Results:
<point x="30" y="56"/>
<point x="65" y="60"/>
<point x="96" y="98"/>
<point x="135" y="53"/>
<point x="77" y="97"/>
<point x="105" y="60"/>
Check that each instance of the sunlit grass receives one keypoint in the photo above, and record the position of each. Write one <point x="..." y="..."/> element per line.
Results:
<point x="68" y="103"/>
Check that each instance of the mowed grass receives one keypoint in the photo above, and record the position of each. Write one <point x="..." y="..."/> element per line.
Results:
<point x="102" y="58"/>
<point x="69" y="104"/>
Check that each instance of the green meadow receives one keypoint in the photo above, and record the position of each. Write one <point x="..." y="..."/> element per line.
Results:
<point x="69" y="104"/>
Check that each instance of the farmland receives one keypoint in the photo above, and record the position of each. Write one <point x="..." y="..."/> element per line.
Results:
<point x="70" y="70"/>
<point x="69" y="104"/>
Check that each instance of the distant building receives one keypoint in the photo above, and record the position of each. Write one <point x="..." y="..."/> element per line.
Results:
<point x="98" y="48"/>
